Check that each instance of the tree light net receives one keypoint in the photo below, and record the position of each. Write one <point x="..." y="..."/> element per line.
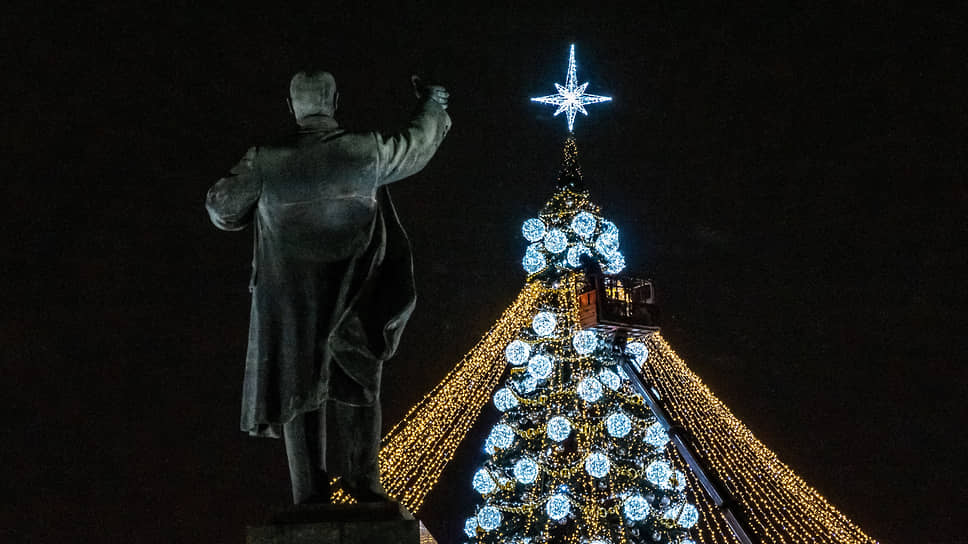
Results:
<point x="779" y="505"/>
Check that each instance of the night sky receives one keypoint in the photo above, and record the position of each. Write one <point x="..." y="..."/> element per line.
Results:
<point x="793" y="179"/>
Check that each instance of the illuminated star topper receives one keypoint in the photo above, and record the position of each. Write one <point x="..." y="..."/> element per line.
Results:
<point x="571" y="97"/>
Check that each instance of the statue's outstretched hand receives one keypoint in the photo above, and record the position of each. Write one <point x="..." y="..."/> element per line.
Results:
<point x="437" y="93"/>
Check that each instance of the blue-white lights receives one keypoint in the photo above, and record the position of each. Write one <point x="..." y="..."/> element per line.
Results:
<point x="501" y="437"/>
<point x="584" y="342"/>
<point x="574" y="255"/>
<point x="609" y="232"/>
<point x="656" y="435"/>
<point x="605" y="247"/>
<point x="489" y="518"/>
<point x="636" y="508"/>
<point x="583" y="224"/>
<point x="597" y="465"/>
<point x="638" y="352"/>
<point x="571" y="97"/>
<point x="590" y="389"/>
<point x="658" y="473"/>
<point x="559" y="428"/>
<point x="607" y="242"/>
<point x="687" y="516"/>
<point x="527" y="385"/>
<point x="540" y="367"/>
<point x="525" y="471"/>
<point x="544" y="323"/>
<point x="517" y="352"/>
<point x="470" y="527"/>
<point x="618" y="424"/>
<point x="533" y="260"/>
<point x="609" y="379"/>
<point x="483" y="483"/>
<point x="615" y="263"/>
<point x="558" y="506"/>
<point x="504" y="399"/>
<point x="556" y="241"/>
<point x="533" y="229"/>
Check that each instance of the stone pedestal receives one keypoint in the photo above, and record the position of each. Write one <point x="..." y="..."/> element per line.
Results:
<point x="369" y="523"/>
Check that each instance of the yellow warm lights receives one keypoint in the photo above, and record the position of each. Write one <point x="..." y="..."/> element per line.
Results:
<point x="780" y="507"/>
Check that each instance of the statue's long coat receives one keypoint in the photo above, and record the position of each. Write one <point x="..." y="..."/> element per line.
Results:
<point x="332" y="281"/>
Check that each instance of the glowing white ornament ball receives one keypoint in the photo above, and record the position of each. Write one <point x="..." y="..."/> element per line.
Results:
<point x="525" y="471"/>
<point x="558" y="428"/>
<point x="618" y="424"/>
<point x="483" y="483"/>
<point x="583" y="224"/>
<point x="609" y="232"/>
<point x="689" y="516"/>
<point x="558" y="506"/>
<point x="638" y="352"/>
<point x="585" y="342"/>
<point x="533" y="260"/>
<point x="533" y="229"/>
<point x="501" y="437"/>
<point x="517" y="352"/>
<point x="470" y="527"/>
<point x="556" y="241"/>
<point x="489" y="518"/>
<point x="656" y="435"/>
<point x="636" y="508"/>
<point x="504" y="399"/>
<point x="574" y="255"/>
<point x="590" y="389"/>
<point x="597" y="465"/>
<point x="610" y="379"/>
<point x="540" y="367"/>
<point x="544" y="323"/>
<point x="658" y="473"/>
<point x="615" y="263"/>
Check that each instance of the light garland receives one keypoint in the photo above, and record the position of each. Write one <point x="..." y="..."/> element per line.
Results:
<point x="781" y="507"/>
<point x="778" y="505"/>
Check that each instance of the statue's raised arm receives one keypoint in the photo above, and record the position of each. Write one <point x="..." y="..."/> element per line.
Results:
<point x="404" y="153"/>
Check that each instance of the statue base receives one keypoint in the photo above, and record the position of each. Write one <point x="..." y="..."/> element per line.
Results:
<point x="366" y="523"/>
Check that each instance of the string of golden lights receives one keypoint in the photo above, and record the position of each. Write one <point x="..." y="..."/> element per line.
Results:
<point x="779" y="505"/>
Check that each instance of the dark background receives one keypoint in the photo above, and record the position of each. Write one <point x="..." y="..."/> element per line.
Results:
<point x="792" y="178"/>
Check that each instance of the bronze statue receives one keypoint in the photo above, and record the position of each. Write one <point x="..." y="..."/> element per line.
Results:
<point x="332" y="281"/>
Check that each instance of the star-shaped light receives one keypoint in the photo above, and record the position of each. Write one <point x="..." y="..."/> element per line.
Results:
<point x="571" y="97"/>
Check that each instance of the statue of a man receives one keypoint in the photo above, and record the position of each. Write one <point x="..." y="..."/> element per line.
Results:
<point x="332" y="280"/>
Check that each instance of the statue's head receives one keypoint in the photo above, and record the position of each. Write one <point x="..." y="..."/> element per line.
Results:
<point x="312" y="93"/>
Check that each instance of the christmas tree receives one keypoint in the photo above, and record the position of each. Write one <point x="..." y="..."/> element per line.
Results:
<point x="577" y="456"/>
<point x="577" y="447"/>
